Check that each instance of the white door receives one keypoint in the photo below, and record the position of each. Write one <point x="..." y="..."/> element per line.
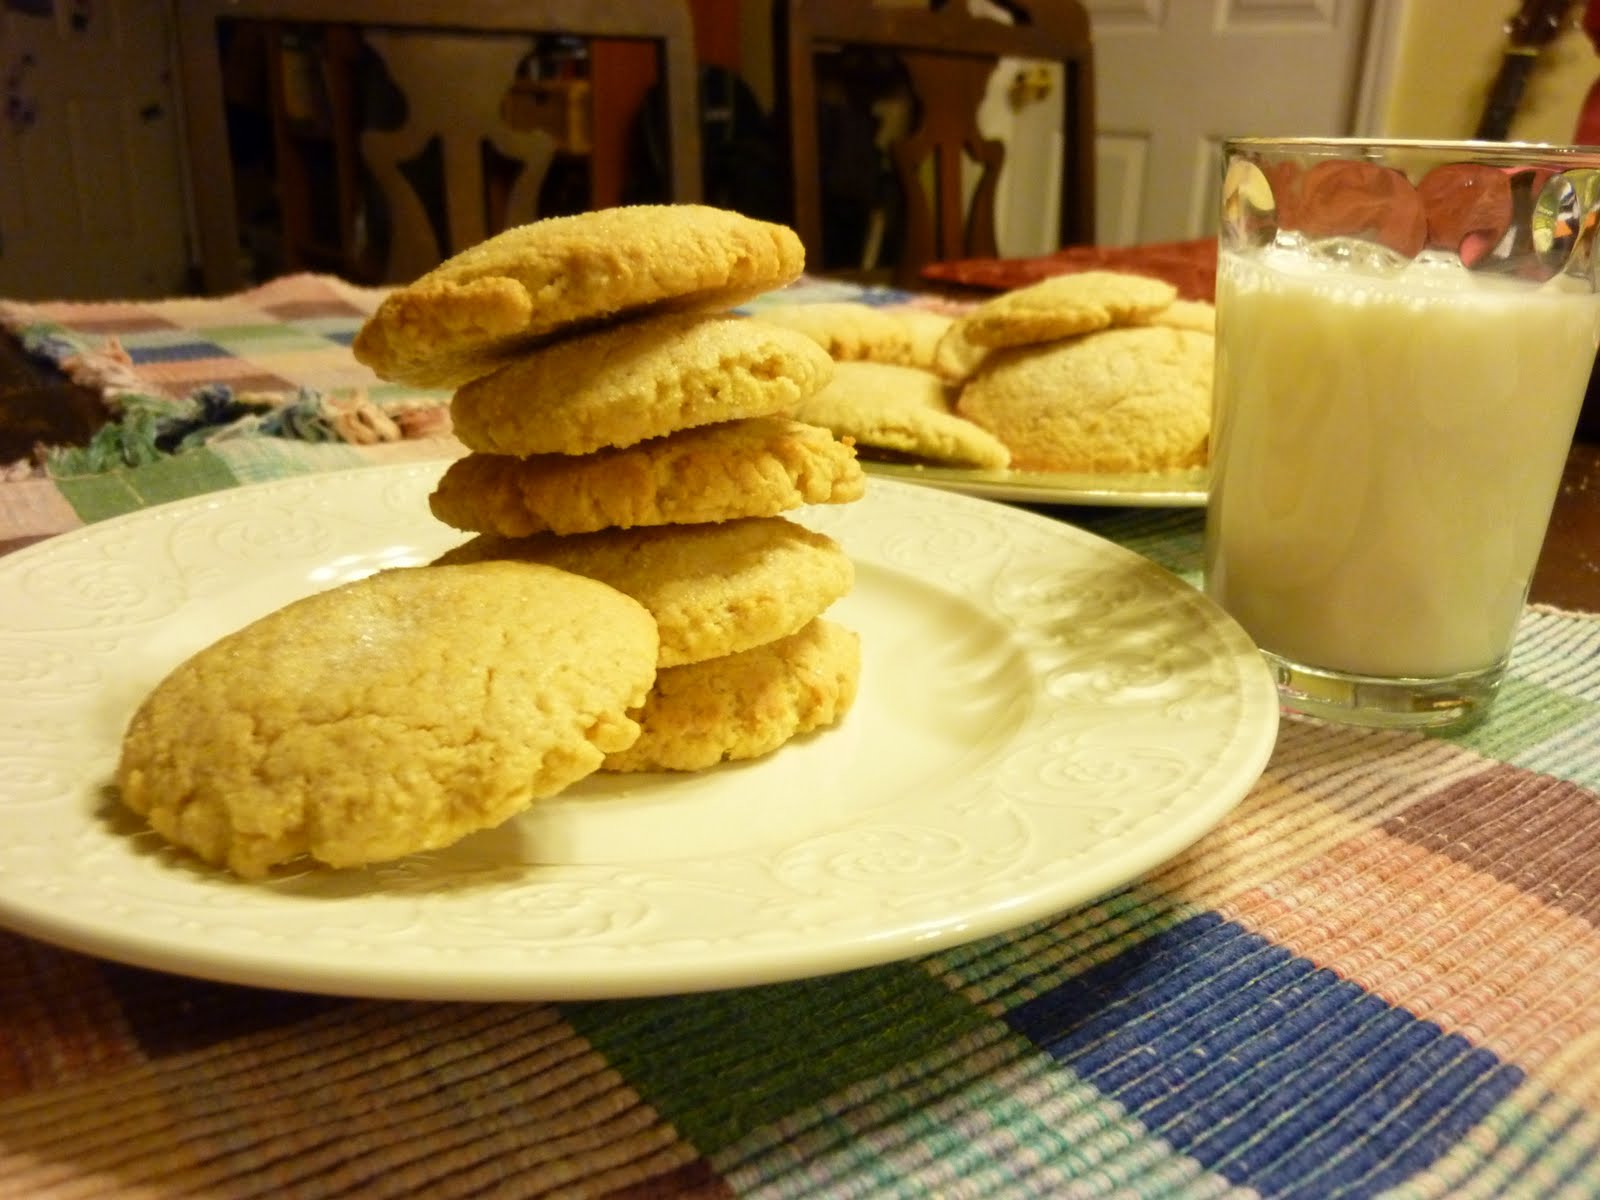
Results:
<point x="91" y="192"/>
<point x="1174" y="77"/>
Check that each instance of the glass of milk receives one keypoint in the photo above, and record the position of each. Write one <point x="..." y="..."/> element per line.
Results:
<point x="1405" y="331"/>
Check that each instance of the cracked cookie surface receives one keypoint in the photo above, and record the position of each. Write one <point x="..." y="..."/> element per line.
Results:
<point x="756" y="467"/>
<point x="903" y="410"/>
<point x="638" y="380"/>
<point x="487" y="305"/>
<point x="714" y="589"/>
<point x="745" y="705"/>
<point x="1063" y="306"/>
<point x="394" y="714"/>
<point x="1122" y="400"/>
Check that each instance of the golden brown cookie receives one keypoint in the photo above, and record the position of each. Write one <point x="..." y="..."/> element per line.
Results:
<point x="1063" y="306"/>
<point x="747" y="704"/>
<point x="925" y="328"/>
<point x="394" y="714"/>
<point x="1122" y="400"/>
<point x="903" y="410"/>
<point x="1196" y="315"/>
<point x="637" y="380"/>
<point x="713" y="589"/>
<point x="955" y="359"/>
<point x="854" y="332"/>
<point x="757" y="467"/>
<point x="486" y="305"/>
<point x="847" y="329"/>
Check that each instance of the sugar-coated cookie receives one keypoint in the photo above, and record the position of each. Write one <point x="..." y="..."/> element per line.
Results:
<point x="903" y="410"/>
<point x="638" y="380"/>
<point x="390" y="715"/>
<point x="756" y="467"/>
<point x="1063" y="306"/>
<point x="1122" y="400"/>
<point x="745" y="705"/>
<point x="486" y="305"/>
<point x="713" y="589"/>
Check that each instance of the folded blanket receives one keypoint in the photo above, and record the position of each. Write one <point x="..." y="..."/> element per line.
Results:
<point x="1190" y="266"/>
<point x="174" y="373"/>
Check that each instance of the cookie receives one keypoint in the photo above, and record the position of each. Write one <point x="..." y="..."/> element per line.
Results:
<point x="853" y="332"/>
<point x="849" y="331"/>
<point x="712" y="589"/>
<point x="638" y="380"/>
<point x="745" y="705"/>
<point x="903" y="410"/>
<point x="1063" y="306"/>
<point x="486" y="305"/>
<point x="925" y="328"/>
<point x="390" y="715"/>
<point x="1122" y="400"/>
<point x="955" y="358"/>
<point x="757" y="467"/>
<point x="1196" y="315"/>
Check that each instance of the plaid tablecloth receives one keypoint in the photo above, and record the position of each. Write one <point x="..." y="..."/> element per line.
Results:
<point x="1381" y="975"/>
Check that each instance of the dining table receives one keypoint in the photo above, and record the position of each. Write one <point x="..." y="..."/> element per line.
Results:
<point x="1371" y="969"/>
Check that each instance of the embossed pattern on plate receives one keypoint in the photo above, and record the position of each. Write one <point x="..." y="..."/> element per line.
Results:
<point x="1178" y="489"/>
<point x="1042" y="717"/>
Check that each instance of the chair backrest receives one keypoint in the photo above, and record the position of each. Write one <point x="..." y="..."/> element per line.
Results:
<point x="947" y="56"/>
<point x="461" y="120"/>
<point x="665" y="23"/>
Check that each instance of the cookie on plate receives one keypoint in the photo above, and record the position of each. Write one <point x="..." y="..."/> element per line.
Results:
<point x="847" y="329"/>
<point x="755" y="467"/>
<point x="637" y="380"/>
<point x="902" y="410"/>
<point x="1063" y="306"/>
<point x="1122" y="400"/>
<point x="925" y="328"/>
<point x="394" y="714"/>
<point x="955" y="358"/>
<point x="713" y="589"/>
<point x="854" y="332"/>
<point x="747" y="704"/>
<point x="483" y="307"/>
<point x="1197" y="315"/>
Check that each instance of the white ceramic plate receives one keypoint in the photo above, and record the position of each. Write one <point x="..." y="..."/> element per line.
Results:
<point x="1042" y="717"/>
<point x="1179" y="489"/>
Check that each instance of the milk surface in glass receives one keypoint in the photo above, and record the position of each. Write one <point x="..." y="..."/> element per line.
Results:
<point x="1392" y="451"/>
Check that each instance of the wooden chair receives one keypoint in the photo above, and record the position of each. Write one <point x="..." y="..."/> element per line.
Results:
<point x="947" y="57"/>
<point x="461" y="119"/>
<point x="440" y="101"/>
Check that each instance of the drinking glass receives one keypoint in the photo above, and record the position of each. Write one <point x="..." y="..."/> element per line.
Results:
<point x="1405" y="331"/>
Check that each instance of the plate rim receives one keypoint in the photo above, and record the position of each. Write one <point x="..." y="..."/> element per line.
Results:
<point x="1182" y="490"/>
<point x="751" y="966"/>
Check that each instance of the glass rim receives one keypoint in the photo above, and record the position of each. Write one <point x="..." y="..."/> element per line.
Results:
<point x="1470" y="146"/>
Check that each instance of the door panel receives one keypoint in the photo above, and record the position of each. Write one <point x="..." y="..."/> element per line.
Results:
<point x="1172" y="78"/>
<point x="90" y="178"/>
<point x="1176" y="76"/>
<point x="1120" y="165"/>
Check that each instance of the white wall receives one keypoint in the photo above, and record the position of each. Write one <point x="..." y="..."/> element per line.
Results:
<point x="1440" y="58"/>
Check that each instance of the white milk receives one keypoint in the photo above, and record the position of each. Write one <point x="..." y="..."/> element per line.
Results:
<point x="1386" y="455"/>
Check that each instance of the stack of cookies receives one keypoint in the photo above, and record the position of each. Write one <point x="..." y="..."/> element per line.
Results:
<point x="625" y="426"/>
<point x="1099" y="371"/>
<point x="635" y="601"/>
